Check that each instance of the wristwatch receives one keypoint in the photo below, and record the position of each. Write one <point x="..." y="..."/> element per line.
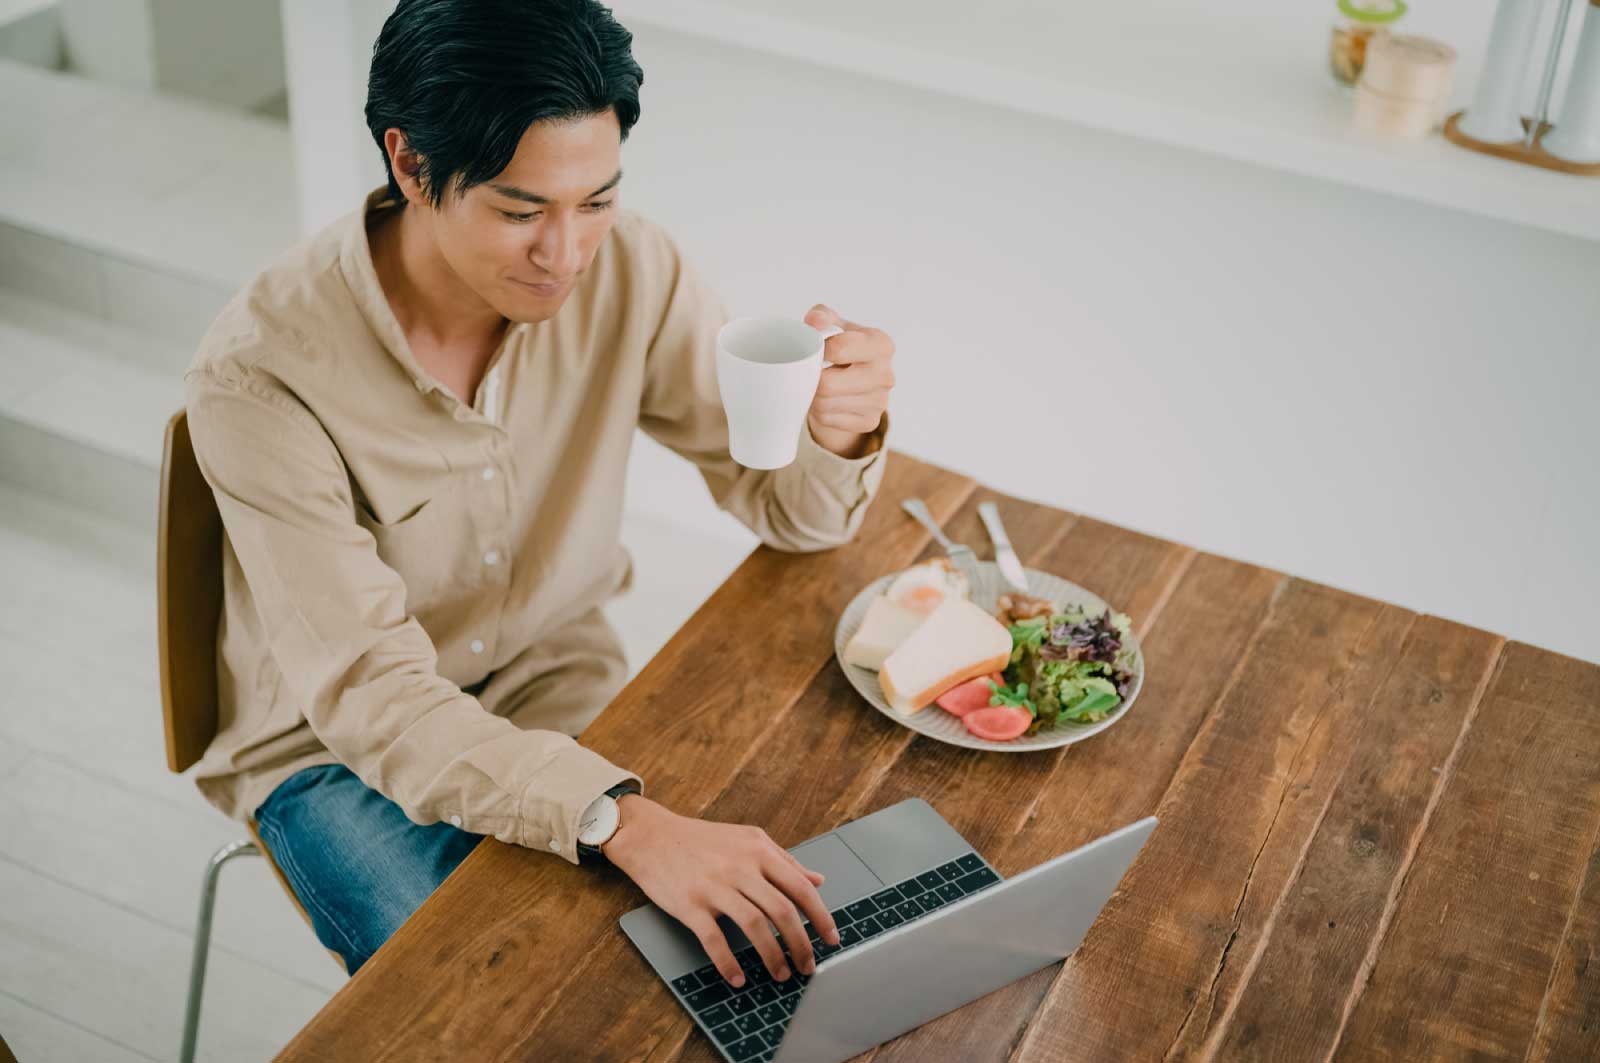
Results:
<point x="600" y="821"/>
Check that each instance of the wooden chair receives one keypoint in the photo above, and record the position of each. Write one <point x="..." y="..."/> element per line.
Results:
<point x="189" y="607"/>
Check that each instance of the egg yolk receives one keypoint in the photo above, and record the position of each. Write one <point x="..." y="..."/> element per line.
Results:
<point x="923" y="599"/>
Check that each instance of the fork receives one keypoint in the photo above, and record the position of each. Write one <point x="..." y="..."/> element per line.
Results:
<point x="964" y="558"/>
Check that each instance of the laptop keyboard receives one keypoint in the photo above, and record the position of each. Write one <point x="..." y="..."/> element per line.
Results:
<point x="747" y="1023"/>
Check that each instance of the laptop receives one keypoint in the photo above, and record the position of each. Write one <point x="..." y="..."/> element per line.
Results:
<point x="925" y="926"/>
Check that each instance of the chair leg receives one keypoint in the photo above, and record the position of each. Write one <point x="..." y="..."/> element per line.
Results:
<point x="202" y="940"/>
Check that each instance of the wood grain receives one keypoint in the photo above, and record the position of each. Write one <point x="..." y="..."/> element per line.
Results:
<point x="1379" y="837"/>
<point x="1165" y="953"/>
<point x="987" y="796"/>
<point x="1096" y="786"/>
<point x="487" y="936"/>
<point x="1306" y="977"/>
<point x="1569" y="1016"/>
<point x="797" y="782"/>
<point x="1473" y="949"/>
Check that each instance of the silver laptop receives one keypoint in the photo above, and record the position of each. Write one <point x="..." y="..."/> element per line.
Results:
<point x="925" y="926"/>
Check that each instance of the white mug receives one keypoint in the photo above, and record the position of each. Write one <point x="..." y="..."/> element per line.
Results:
<point x="767" y="370"/>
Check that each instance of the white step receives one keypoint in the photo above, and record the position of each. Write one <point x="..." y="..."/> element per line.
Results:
<point x="30" y="32"/>
<point x="82" y="407"/>
<point x="99" y="284"/>
<point x="181" y="188"/>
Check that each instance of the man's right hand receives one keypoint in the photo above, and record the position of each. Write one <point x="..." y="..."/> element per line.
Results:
<point x="695" y="870"/>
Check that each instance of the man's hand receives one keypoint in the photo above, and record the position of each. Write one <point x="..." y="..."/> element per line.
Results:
<point x="853" y="393"/>
<point x="696" y="870"/>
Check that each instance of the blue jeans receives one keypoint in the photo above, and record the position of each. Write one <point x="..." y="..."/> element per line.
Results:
<point x="358" y="864"/>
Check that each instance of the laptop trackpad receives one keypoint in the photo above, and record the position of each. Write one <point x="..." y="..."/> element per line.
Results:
<point x="848" y="878"/>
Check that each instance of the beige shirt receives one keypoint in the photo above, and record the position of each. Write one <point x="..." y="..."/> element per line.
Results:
<point x="412" y="584"/>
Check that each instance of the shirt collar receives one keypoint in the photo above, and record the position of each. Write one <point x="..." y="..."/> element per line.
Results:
<point x="361" y="277"/>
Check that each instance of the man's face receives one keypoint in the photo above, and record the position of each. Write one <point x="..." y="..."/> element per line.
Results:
<point x="539" y="221"/>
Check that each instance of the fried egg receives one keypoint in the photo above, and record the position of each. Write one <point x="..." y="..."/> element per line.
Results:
<point x="925" y="587"/>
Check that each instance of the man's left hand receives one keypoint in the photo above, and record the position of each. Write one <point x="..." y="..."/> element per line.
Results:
<point x="853" y="394"/>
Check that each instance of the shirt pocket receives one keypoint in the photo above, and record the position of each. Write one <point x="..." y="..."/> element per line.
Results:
<point x="420" y="546"/>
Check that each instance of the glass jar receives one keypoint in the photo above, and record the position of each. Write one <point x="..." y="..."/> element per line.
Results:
<point x="1359" y="22"/>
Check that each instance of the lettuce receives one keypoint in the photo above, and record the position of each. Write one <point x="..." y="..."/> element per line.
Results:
<point x="1069" y="667"/>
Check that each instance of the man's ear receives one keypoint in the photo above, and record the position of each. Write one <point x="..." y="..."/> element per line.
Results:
<point x="406" y="166"/>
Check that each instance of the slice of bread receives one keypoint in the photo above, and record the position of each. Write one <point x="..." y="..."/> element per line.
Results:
<point x="882" y="630"/>
<point x="957" y="643"/>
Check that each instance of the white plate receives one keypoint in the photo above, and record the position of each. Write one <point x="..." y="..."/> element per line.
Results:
<point x="942" y="726"/>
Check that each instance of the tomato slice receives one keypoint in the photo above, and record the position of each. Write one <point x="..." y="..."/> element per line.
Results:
<point x="973" y="694"/>
<point x="998" y="723"/>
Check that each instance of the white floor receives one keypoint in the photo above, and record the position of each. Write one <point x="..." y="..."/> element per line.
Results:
<point x="101" y="850"/>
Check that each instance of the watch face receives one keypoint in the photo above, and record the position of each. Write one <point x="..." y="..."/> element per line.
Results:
<point x="598" y="827"/>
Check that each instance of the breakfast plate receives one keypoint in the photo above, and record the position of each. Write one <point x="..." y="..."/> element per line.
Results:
<point x="942" y="726"/>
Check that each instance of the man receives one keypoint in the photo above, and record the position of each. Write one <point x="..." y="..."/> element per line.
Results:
<point x="416" y="427"/>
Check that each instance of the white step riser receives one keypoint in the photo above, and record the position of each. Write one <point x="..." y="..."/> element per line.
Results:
<point x="139" y="297"/>
<point x="52" y="464"/>
<point x="34" y="37"/>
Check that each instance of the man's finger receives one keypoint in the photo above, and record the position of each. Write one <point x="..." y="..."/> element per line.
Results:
<point x="817" y="876"/>
<point x="781" y="910"/>
<point x="858" y="346"/>
<point x="823" y="316"/>
<point x="755" y="926"/>
<point x="794" y="878"/>
<point x="705" y="928"/>
<point x="860" y="378"/>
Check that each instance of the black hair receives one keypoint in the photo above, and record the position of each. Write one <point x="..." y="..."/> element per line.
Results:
<point x="464" y="79"/>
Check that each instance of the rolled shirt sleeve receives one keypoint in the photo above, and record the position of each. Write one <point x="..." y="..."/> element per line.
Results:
<point x="818" y="501"/>
<point x="335" y="620"/>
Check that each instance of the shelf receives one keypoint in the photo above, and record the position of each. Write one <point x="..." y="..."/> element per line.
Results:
<point x="1249" y="83"/>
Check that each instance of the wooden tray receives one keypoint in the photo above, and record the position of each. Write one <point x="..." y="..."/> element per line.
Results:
<point x="1533" y="156"/>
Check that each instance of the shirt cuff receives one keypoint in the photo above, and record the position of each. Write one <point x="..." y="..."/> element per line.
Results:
<point x="553" y="807"/>
<point x="845" y="475"/>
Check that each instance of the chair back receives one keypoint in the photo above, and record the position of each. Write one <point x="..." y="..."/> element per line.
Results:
<point x="188" y="598"/>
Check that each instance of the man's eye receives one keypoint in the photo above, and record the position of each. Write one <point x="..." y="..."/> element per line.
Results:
<point x="510" y="216"/>
<point x="600" y="205"/>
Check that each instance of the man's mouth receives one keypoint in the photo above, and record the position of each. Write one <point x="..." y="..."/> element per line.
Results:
<point x="552" y="288"/>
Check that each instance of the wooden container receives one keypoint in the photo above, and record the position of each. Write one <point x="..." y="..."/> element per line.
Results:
<point x="1404" y="86"/>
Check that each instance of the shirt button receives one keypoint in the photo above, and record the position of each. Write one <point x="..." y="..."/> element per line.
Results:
<point x="455" y="821"/>
<point x="555" y="845"/>
<point x="477" y="646"/>
<point x="488" y="472"/>
<point x="492" y="557"/>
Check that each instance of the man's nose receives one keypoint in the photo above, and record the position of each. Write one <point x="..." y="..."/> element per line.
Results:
<point x="556" y="251"/>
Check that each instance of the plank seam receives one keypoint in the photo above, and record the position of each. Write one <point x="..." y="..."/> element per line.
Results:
<point x="1171" y="588"/>
<point x="1227" y="687"/>
<point x="76" y="1025"/>
<point x="185" y="932"/>
<point x="777" y="718"/>
<point x="1566" y="933"/>
<point x="1446" y="775"/>
<point x="1190" y="553"/>
<point x="1270" y="924"/>
<point x="1294" y="771"/>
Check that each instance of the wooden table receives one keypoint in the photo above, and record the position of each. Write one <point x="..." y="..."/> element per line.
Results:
<point x="1377" y="842"/>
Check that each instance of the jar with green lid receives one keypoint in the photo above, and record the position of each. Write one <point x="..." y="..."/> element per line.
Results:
<point x="1359" y="22"/>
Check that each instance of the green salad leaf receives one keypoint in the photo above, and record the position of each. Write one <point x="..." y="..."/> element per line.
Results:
<point x="1072" y="666"/>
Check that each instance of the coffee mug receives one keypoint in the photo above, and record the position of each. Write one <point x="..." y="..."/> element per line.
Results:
<point x="767" y="371"/>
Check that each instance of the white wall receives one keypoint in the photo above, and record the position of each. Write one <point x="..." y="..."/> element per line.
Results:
<point x="1385" y="396"/>
<point x="327" y="53"/>
<point x="1388" y="397"/>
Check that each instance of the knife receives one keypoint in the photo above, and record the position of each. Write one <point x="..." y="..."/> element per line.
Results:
<point x="1004" y="555"/>
<point x="964" y="558"/>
